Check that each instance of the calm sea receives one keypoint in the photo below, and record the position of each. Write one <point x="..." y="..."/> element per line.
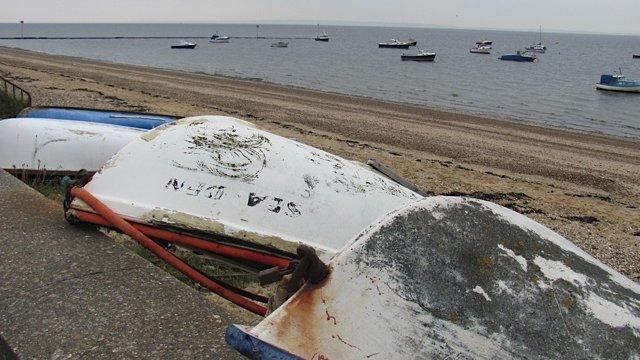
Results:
<point x="558" y="90"/>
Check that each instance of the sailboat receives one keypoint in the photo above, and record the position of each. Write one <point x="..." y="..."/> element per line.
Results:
<point x="539" y="48"/>
<point x="321" y="37"/>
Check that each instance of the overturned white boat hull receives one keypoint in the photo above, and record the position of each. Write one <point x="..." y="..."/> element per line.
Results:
<point x="223" y="176"/>
<point x="59" y="146"/>
<point x="455" y="278"/>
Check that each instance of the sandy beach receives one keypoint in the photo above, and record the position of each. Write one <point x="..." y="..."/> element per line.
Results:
<point x="584" y="186"/>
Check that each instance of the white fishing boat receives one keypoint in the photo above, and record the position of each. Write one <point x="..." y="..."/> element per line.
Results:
<point x="454" y="278"/>
<point x="59" y="146"/>
<point x="225" y="177"/>
<point x="618" y="82"/>
<point x="184" y="45"/>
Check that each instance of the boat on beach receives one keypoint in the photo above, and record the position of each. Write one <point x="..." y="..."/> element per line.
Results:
<point x="453" y="278"/>
<point x="184" y="45"/>
<point x="618" y="82"/>
<point x="321" y="37"/>
<point x="394" y="44"/>
<point x="280" y="44"/>
<point x="422" y="55"/>
<point x="221" y="177"/>
<point x="54" y="146"/>
<point x="519" y="56"/>
<point x="138" y="120"/>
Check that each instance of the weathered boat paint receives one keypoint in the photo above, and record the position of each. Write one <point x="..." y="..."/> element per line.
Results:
<point x="454" y="278"/>
<point x="224" y="176"/>
<point x="59" y="146"/>
<point x="122" y="118"/>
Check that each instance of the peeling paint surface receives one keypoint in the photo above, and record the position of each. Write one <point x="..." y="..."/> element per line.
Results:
<point x="60" y="145"/>
<point x="222" y="175"/>
<point x="433" y="280"/>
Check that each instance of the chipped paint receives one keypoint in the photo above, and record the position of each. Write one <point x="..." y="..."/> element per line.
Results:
<point x="431" y="281"/>
<point x="243" y="182"/>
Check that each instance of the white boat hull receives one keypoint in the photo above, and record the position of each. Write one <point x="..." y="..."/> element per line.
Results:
<point x="59" y="146"/>
<point x="629" y="89"/>
<point x="455" y="278"/>
<point x="224" y="176"/>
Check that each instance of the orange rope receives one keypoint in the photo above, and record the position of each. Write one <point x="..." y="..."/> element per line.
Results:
<point x="165" y="255"/>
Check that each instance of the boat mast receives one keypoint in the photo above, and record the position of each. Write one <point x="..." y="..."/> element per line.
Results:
<point x="540" y="34"/>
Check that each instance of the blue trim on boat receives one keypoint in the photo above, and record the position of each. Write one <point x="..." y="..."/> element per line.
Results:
<point x="254" y="348"/>
<point x="130" y="119"/>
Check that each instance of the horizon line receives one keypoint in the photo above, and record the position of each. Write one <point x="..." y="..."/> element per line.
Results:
<point x="334" y="23"/>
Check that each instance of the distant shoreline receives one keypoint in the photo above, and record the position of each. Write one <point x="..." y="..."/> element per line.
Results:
<point x="475" y="114"/>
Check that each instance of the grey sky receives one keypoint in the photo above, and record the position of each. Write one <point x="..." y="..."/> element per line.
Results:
<point x="608" y="16"/>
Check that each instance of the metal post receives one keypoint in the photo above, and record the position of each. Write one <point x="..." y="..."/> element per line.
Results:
<point x="22" y="29"/>
<point x="257" y="27"/>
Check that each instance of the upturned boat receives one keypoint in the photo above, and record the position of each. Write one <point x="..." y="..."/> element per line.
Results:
<point x="519" y="56"/>
<point x="618" y="82"/>
<point x="225" y="178"/>
<point x="454" y="278"/>
<point x="59" y="146"/>
<point x="122" y="118"/>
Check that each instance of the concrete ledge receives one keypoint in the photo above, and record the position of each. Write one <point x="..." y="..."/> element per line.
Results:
<point x="69" y="292"/>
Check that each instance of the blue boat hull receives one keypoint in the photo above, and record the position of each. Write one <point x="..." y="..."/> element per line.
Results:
<point x="518" y="58"/>
<point x="129" y="119"/>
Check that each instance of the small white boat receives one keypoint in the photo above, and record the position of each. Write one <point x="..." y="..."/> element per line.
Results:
<point x="184" y="45"/>
<point x="321" y="37"/>
<point x="59" y="146"/>
<point x="454" y="278"/>
<point x="484" y="43"/>
<point x="422" y="55"/>
<point x="219" y="39"/>
<point x="280" y="44"/>
<point x="538" y="48"/>
<point x="480" y="49"/>
<point x="222" y="176"/>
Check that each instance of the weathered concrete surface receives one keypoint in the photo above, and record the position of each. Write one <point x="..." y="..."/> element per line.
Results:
<point x="71" y="292"/>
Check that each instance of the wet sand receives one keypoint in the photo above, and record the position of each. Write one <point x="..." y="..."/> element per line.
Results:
<point x="584" y="186"/>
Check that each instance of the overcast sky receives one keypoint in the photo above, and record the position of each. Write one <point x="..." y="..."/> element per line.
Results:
<point x="607" y="16"/>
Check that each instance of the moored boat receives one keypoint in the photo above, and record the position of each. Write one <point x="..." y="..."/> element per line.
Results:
<point x="636" y="56"/>
<point x="450" y="277"/>
<point x="223" y="177"/>
<point x="122" y="118"/>
<point x="480" y="49"/>
<point x="184" y="45"/>
<point x="484" y="43"/>
<point x="394" y="44"/>
<point x="618" y="82"/>
<point x="519" y="56"/>
<point x="219" y="39"/>
<point x="539" y="48"/>
<point x="420" y="56"/>
<point x="412" y="42"/>
<point x="59" y="146"/>
<point x="321" y="37"/>
<point x="280" y="44"/>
